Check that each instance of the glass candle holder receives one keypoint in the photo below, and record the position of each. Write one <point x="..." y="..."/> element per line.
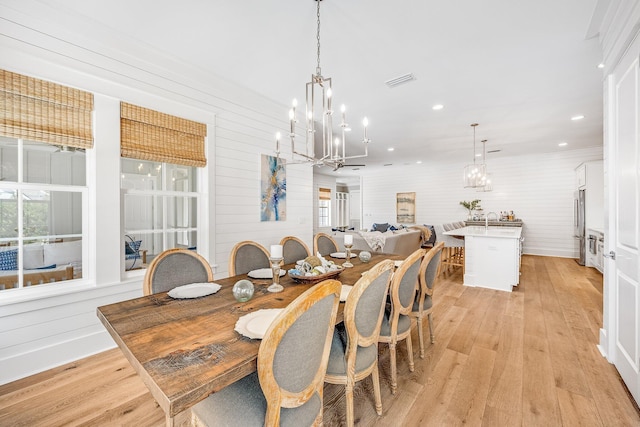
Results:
<point x="347" y="263"/>
<point x="275" y="269"/>
<point x="243" y="290"/>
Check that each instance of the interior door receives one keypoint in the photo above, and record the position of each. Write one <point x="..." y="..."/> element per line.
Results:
<point x="624" y="234"/>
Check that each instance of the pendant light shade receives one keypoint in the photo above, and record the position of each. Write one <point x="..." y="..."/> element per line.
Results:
<point x="474" y="172"/>
<point x="485" y="180"/>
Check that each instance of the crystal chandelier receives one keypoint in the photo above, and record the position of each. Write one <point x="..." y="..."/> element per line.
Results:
<point x="319" y="97"/>
<point x="473" y="173"/>
<point x="485" y="179"/>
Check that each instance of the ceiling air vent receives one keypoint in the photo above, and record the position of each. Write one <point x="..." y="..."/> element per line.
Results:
<point x="400" y="80"/>
<point x="493" y="151"/>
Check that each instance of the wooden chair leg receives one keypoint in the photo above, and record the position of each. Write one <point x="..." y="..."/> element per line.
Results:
<point x="421" y="337"/>
<point x="375" y="377"/>
<point x="348" y="391"/>
<point x="412" y="366"/>
<point x="430" y="319"/>
<point x="394" y="374"/>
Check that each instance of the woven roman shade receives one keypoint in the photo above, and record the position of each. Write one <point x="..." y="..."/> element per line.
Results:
<point x="324" y="193"/>
<point x="149" y="135"/>
<point x="42" y="111"/>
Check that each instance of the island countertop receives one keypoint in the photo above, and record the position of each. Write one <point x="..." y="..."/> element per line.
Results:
<point x="491" y="231"/>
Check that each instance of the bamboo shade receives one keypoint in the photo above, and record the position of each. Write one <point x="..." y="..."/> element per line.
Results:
<point x="150" y="135"/>
<point x="42" y="111"/>
<point x="324" y="193"/>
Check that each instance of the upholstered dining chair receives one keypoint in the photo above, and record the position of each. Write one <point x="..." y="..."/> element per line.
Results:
<point x="175" y="267"/>
<point x="293" y="249"/>
<point x="354" y="349"/>
<point x="324" y="244"/>
<point x="396" y="323"/>
<point x="292" y="361"/>
<point x="423" y="304"/>
<point x="247" y="256"/>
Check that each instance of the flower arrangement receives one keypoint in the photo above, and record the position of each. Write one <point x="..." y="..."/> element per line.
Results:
<point x="471" y="206"/>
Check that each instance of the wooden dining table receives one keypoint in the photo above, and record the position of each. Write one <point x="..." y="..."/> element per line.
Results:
<point x="186" y="349"/>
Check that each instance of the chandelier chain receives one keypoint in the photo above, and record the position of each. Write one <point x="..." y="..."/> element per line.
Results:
<point x="318" y="72"/>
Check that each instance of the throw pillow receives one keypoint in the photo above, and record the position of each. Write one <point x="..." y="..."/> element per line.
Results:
<point x="432" y="238"/>
<point x="380" y="227"/>
<point x="9" y="260"/>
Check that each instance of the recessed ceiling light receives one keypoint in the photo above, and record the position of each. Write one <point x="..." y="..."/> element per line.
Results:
<point x="478" y="155"/>
<point x="347" y="129"/>
<point x="562" y="144"/>
<point x="390" y="149"/>
<point x="601" y="65"/>
<point x="419" y="162"/>
<point x="578" y="117"/>
<point x="438" y="107"/>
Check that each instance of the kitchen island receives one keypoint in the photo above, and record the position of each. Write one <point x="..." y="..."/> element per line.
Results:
<point x="491" y="256"/>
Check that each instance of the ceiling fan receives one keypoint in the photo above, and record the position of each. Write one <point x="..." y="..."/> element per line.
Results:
<point x="343" y="165"/>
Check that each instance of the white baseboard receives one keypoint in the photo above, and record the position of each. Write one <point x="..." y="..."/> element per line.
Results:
<point x="23" y="365"/>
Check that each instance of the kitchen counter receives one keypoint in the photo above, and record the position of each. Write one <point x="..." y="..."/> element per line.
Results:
<point x="514" y="223"/>
<point x="491" y="256"/>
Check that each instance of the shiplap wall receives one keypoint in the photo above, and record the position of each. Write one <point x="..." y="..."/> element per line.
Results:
<point x="47" y="326"/>
<point x="539" y="189"/>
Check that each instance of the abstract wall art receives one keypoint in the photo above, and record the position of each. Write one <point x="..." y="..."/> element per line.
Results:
<point x="406" y="208"/>
<point x="273" y="191"/>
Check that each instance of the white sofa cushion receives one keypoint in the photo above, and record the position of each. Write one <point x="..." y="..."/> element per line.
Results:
<point x="33" y="256"/>
<point x="63" y="253"/>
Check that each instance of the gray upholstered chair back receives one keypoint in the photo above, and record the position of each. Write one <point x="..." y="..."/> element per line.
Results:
<point x="432" y="268"/>
<point x="247" y="256"/>
<point x="409" y="284"/>
<point x="293" y="250"/>
<point x="325" y="244"/>
<point x="176" y="267"/>
<point x="299" y="354"/>
<point x="368" y="309"/>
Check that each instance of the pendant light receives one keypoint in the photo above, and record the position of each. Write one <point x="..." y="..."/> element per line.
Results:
<point x="473" y="172"/>
<point x="485" y="179"/>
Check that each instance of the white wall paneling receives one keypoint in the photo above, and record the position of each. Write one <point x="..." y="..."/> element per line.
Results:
<point x="46" y="326"/>
<point x="539" y="189"/>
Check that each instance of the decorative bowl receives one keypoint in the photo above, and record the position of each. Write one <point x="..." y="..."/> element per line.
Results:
<point x="364" y="256"/>
<point x="315" y="279"/>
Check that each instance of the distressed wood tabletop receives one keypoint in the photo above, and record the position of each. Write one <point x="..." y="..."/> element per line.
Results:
<point x="186" y="349"/>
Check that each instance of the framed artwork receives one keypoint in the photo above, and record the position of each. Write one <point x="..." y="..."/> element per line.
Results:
<point x="273" y="189"/>
<point x="406" y="208"/>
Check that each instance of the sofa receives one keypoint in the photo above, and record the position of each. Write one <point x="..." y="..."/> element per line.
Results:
<point x="43" y="263"/>
<point x="400" y="242"/>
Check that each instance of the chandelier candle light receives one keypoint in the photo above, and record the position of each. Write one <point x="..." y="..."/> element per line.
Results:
<point x="474" y="172"/>
<point x="485" y="179"/>
<point x="319" y="97"/>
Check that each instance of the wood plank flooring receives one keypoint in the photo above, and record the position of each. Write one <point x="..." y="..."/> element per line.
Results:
<point x="500" y="359"/>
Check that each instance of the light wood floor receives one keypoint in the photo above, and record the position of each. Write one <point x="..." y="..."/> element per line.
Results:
<point x="500" y="359"/>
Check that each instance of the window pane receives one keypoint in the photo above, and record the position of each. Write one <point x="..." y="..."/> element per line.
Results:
<point x="142" y="212"/>
<point x="8" y="213"/>
<point x="141" y="175"/>
<point x="182" y="239"/>
<point x="8" y="264"/>
<point x="52" y="164"/>
<point x="181" y="212"/>
<point x="8" y="159"/>
<point x="140" y="248"/>
<point x="181" y="178"/>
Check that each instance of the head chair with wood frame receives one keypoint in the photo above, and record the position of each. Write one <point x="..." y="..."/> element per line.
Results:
<point x="396" y="323"/>
<point x="292" y="361"/>
<point x="175" y="267"/>
<point x="247" y="256"/>
<point x="423" y="304"/>
<point x="293" y="249"/>
<point x="324" y="244"/>
<point x="354" y="349"/>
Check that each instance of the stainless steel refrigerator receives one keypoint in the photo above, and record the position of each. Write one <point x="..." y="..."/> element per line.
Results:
<point x="578" y="222"/>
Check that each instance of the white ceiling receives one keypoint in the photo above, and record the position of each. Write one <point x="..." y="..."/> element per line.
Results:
<point x="521" y="69"/>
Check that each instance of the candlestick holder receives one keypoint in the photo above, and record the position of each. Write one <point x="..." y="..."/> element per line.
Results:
<point x="347" y="263"/>
<point x="275" y="269"/>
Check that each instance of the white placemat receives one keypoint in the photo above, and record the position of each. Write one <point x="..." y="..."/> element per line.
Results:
<point x="255" y="324"/>
<point x="194" y="290"/>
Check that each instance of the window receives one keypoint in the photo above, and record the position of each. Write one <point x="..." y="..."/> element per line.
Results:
<point x="160" y="209"/>
<point x="42" y="193"/>
<point x="44" y="131"/>
<point x="160" y="156"/>
<point x="324" y="207"/>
